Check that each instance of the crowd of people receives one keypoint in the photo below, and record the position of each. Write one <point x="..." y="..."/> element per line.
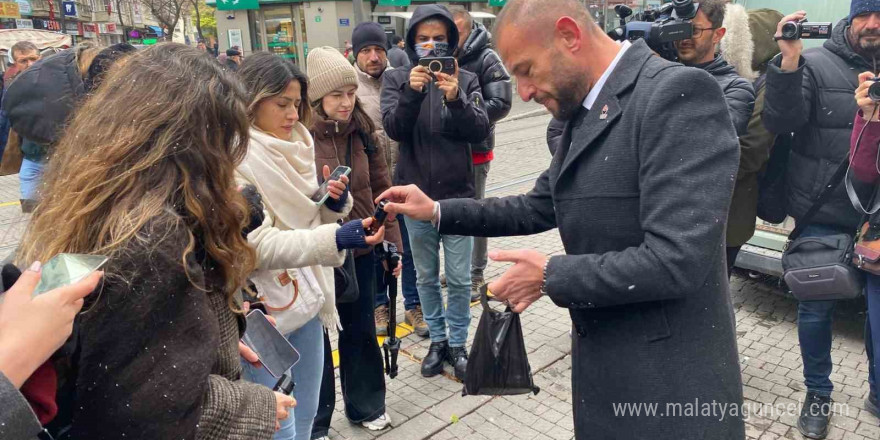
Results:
<point x="202" y="197"/>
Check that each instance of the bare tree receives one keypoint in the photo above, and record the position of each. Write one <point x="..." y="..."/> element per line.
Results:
<point x="167" y="13"/>
<point x="121" y="22"/>
<point x="195" y="6"/>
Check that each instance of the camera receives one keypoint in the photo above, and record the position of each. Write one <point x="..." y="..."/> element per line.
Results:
<point x="794" y="30"/>
<point x="874" y="90"/>
<point x="378" y="217"/>
<point x="388" y="253"/>
<point x="659" y="28"/>
<point x="439" y="64"/>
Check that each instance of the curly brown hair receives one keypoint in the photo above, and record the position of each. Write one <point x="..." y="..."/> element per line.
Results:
<point x="157" y="144"/>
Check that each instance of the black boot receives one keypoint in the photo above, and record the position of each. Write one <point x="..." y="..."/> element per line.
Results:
<point x="432" y="365"/>
<point x="815" y="416"/>
<point x="872" y="406"/>
<point x="458" y="358"/>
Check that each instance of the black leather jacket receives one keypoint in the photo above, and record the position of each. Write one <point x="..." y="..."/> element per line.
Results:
<point x="478" y="57"/>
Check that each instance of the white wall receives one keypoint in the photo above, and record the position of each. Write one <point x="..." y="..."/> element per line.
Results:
<point x="323" y="33"/>
<point x="239" y="22"/>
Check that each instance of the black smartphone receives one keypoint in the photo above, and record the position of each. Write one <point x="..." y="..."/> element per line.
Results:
<point x="276" y="353"/>
<point x="439" y="64"/>
<point x="320" y="196"/>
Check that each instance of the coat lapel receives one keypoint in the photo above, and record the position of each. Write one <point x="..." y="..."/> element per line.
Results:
<point x="606" y="109"/>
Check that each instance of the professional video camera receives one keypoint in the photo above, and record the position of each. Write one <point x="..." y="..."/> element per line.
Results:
<point x="659" y="28"/>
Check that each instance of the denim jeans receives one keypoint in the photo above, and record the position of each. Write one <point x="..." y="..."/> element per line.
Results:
<point x="872" y="329"/>
<point x="30" y="177"/>
<point x="814" y="331"/>
<point x="425" y="242"/>
<point x="407" y="277"/>
<point x="309" y="341"/>
<point x="481" y="244"/>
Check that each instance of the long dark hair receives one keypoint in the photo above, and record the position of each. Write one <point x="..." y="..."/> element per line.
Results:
<point x="266" y="75"/>
<point x="158" y="141"/>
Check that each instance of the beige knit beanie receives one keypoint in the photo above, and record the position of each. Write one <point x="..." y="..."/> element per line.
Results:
<point x="328" y="70"/>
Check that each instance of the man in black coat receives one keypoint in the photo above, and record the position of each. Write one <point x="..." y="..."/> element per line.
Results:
<point x="810" y="93"/>
<point x="436" y="117"/>
<point x="640" y="203"/>
<point x="475" y="55"/>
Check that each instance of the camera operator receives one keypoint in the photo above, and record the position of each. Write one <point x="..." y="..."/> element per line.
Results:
<point x="700" y="51"/>
<point x="436" y="116"/>
<point x="810" y="93"/>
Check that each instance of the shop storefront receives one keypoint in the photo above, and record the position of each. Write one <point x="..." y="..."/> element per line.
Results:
<point x="280" y="29"/>
<point x="74" y="29"/>
<point x="109" y="33"/>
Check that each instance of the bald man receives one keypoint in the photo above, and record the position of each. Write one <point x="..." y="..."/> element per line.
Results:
<point x="639" y="188"/>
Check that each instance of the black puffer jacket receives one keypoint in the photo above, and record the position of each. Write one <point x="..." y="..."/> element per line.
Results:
<point x="478" y="57"/>
<point x="40" y="99"/>
<point x="434" y="135"/>
<point x="738" y="92"/>
<point x="816" y="103"/>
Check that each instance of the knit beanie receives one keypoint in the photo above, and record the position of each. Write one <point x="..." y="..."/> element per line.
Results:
<point x="328" y="70"/>
<point x="858" y="7"/>
<point x="368" y="34"/>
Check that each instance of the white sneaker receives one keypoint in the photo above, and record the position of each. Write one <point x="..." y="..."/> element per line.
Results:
<point x="323" y="437"/>
<point x="379" y="424"/>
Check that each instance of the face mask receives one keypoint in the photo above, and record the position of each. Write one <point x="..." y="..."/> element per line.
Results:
<point x="432" y="48"/>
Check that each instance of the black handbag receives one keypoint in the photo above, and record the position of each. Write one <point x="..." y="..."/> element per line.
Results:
<point x="820" y="268"/>
<point x="344" y="276"/>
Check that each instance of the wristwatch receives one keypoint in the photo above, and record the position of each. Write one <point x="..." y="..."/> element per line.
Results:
<point x="544" y="281"/>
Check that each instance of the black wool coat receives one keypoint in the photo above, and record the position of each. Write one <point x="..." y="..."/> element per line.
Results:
<point x="640" y="203"/>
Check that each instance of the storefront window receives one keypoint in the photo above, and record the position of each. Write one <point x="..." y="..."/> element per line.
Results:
<point x="280" y="31"/>
<point x="256" y="30"/>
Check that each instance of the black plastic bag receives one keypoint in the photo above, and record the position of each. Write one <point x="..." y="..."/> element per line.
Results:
<point x="498" y="364"/>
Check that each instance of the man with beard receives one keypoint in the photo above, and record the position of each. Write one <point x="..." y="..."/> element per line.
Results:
<point x="640" y="202"/>
<point x="809" y="93"/>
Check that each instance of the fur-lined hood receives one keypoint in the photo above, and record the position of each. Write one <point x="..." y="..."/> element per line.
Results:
<point x="749" y="44"/>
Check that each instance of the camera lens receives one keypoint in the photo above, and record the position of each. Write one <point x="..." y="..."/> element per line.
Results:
<point x="684" y="8"/>
<point x="435" y="66"/>
<point x="790" y="31"/>
<point x="874" y="90"/>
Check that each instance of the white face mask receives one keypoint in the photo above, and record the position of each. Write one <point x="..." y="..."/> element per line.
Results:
<point x="432" y="48"/>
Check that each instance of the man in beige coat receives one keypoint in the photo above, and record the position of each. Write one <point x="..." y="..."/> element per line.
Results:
<point x="370" y="48"/>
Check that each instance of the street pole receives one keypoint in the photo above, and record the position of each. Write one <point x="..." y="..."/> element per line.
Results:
<point x="358" y="11"/>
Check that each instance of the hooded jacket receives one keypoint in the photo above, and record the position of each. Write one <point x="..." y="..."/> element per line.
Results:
<point x="434" y="135"/>
<point x="478" y="57"/>
<point x="40" y="100"/>
<point x="738" y="92"/>
<point x="816" y="103"/>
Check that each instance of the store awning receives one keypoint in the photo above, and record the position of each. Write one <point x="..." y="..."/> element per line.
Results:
<point x="157" y="30"/>
<point x="43" y="39"/>
<point x="408" y="15"/>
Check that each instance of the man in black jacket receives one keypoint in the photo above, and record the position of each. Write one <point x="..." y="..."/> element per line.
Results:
<point x="810" y="93"/>
<point x="640" y="212"/>
<point x="436" y="117"/>
<point x="475" y="55"/>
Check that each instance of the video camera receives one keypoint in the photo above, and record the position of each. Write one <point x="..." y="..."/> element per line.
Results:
<point x="659" y="28"/>
<point x="796" y="30"/>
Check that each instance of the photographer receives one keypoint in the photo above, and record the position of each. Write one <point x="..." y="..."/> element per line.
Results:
<point x="436" y="116"/>
<point x="805" y="95"/>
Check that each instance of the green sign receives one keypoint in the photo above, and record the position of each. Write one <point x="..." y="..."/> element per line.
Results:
<point x="150" y="41"/>
<point x="394" y="2"/>
<point x="497" y="2"/>
<point x="231" y="5"/>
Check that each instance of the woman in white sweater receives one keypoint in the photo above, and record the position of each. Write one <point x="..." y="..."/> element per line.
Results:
<point x="300" y="241"/>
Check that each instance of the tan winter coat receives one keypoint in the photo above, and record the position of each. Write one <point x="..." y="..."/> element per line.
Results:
<point x="368" y="92"/>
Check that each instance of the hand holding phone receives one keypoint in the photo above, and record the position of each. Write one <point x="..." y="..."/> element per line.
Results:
<point x="274" y="350"/>
<point x="324" y="191"/>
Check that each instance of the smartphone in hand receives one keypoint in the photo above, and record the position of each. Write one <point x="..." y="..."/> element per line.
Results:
<point x="323" y="191"/>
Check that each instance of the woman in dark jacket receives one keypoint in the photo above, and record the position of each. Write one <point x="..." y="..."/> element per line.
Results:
<point x="344" y="136"/>
<point x="865" y="176"/>
<point x="155" y="354"/>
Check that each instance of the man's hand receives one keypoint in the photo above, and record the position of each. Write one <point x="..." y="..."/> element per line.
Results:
<point x="408" y="200"/>
<point x="868" y="106"/>
<point x="520" y="286"/>
<point x="419" y="77"/>
<point x="449" y="84"/>
<point x="791" y="49"/>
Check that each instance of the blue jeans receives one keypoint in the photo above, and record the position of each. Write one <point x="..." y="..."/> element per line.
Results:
<point x="814" y="331"/>
<point x="407" y="276"/>
<point x="30" y="177"/>
<point x="872" y="329"/>
<point x="425" y="242"/>
<point x="309" y="341"/>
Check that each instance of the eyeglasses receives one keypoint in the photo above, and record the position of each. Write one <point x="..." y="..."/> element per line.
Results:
<point x="698" y="32"/>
